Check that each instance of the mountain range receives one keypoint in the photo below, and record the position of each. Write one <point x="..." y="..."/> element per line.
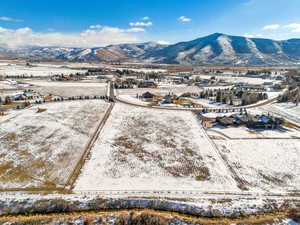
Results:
<point x="215" y="49"/>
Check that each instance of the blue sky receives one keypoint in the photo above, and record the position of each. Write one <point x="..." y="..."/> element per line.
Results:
<point x="97" y="22"/>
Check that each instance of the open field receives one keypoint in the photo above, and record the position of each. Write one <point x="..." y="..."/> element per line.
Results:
<point x="39" y="147"/>
<point x="68" y="89"/>
<point x="264" y="165"/>
<point x="37" y="70"/>
<point x="4" y="85"/>
<point x="287" y="110"/>
<point x="151" y="149"/>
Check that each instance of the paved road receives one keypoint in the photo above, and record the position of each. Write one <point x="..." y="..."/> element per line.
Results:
<point x="231" y="109"/>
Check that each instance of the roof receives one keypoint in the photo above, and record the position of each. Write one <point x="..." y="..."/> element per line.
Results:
<point x="147" y="95"/>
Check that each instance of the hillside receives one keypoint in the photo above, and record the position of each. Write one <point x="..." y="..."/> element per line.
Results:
<point x="215" y="49"/>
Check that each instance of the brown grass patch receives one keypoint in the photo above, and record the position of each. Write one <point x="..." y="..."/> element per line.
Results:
<point x="273" y="179"/>
<point x="10" y="137"/>
<point x="40" y="110"/>
<point x="253" y="132"/>
<point x="216" y="137"/>
<point x="175" y="157"/>
<point x="203" y="174"/>
<point x="143" y="217"/>
<point x="288" y="124"/>
<point x="10" y="172"/>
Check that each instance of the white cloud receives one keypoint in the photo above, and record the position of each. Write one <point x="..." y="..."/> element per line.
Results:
<point x="271" y="27"/>
<point x="253" y="35"/>
<point x="141" y="24"/>
<point x="295" y="27"/>
<point x="135" y="29"/>
<point x="163" y="42"/>
<point x="95" y="26"/>
<point x="248" y="35"/>
<point x="87" y="38"/>
<point x="9" y="19"/>
<point x="146" y="18"/>
<point x="184" y="19"/>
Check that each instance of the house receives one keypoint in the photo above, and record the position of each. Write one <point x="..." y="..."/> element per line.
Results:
<point x="20" y="97"/>
<point x="264" y="122"/>
<point x="236" y="101"/>
<point x="208" y="124"/>
<point x="147" y="97"/>
<point x="225" y="121"/>
<point x="168" y="99"/>
<point x="147" y="84"/>
<point x="183" y="101"/>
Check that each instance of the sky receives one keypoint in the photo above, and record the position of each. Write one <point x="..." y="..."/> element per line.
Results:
<point x="96" y="23"/>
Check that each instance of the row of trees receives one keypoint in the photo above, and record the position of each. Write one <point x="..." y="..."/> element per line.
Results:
<point x="227" y="96"/>
<point x="290" y="96"/>
<point x="293" y="92"/>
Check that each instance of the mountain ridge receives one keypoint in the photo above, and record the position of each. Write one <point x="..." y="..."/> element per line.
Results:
<point x="217" y="48"/>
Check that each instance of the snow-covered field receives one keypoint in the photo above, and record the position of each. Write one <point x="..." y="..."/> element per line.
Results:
<point x="264" y="165"/>
<point x="39" y="70"/>
<point x="68" y="89"/>
<point x="151" y="149"/>
<point x="287" y="110"/>
<point x="39" y="149"/>
<point x="133" y="100"/>
<point x="4" y="85"/>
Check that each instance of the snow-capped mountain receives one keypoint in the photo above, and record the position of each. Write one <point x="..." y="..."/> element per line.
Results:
<point x="214" y="49"/>
<point x="122" y="52"/>
<point x="225" y="49"/>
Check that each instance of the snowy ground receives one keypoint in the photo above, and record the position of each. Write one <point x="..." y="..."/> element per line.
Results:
<point x="163" y="90"/>
<point x="4" y="85"/>
<point x="151" y="149"/>
<point x="264" y="165"/>
<point x="244" y="132"/>
<point x="213" y="104"/>
<point x="68" y="89"/>
<point x="131" y="99"/>
<point x="144" y="70"/>
<point x="4" y="93"/>
<point x="233" y="205"/>
<point x="287" y="110"/>
<point x="39" y="70"/>
<point x="41" y="149"/>
<point x="248" y="80"/>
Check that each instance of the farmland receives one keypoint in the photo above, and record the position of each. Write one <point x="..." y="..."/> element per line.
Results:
<point x="141" y="149"/>
<point x="69" y="89"/>
<point x="39" y="147"/>
<point x="41" y="70"/>
<point x="165" y="150"/>
<point x="264" y="165"/>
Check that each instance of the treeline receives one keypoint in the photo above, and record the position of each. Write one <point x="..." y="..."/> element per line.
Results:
<point x="290" y="96"/>
<point x="293" y="92"/>
<point x="227" y="96"/>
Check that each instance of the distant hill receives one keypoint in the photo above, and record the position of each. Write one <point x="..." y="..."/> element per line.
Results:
<point x="215" y="49"/>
